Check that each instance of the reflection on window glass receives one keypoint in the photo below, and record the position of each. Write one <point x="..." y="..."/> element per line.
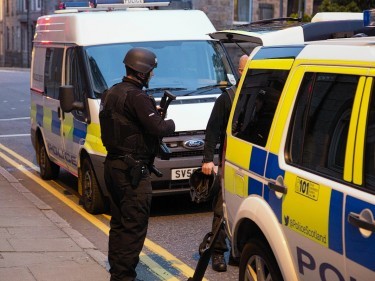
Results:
<point x="52" y="72"/>
<point x="320" y="122"/>
<point x="187" y="65"/>
<point x="74" y="77"/>
<point x="257" y="104"/>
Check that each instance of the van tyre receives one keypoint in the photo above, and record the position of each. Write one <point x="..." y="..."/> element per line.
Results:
<point x="48" y="169"/>
<point x="92" y="198"/>
<point x="258" y="263"/>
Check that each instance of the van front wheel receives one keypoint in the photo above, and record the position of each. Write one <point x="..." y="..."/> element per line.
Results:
<point x="92" y="198"/>
<point x="258" y="263"/>
<point x="48" y="169"/>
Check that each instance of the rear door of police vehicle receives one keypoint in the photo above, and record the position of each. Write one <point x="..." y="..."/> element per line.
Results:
<point x="323" y="173"/>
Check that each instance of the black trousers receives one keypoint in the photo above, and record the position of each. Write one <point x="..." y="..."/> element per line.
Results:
<point x="130" y="209"/>
<point x="220" y="245"/>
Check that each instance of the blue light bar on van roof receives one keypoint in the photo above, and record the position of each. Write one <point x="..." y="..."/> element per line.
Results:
<point x="369" y="17"/>
<point x="113" y="4"/>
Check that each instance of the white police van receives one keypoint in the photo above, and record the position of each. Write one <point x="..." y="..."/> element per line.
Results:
<point x="298" y="169"/>
<point x="83" y="48"/>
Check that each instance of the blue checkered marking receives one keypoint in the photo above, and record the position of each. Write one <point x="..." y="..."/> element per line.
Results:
<point x="79" y="131"/>
<point x="255" y="187"/>
<point x="258" y="161"/>
<point x="358" y="248"/>
<point x="56" y="123"/>
<point x="335" y="222"/>
<point x="272" y="172"/>
<point x="256" y="165"/>
<point x="39" y="115"/>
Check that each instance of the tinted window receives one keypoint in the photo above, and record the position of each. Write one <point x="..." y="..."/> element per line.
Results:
<point x="75" y="77"/>
<point x="257" y="104"/>
<point x="52" y="72"/>
<point x="320" y="122"/>
<point x="370" y="146"/>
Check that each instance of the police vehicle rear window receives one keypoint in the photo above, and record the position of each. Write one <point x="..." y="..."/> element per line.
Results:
<point x="257" y="104"/>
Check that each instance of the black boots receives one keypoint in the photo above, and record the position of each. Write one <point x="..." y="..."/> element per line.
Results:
<point x="218" y="262"/>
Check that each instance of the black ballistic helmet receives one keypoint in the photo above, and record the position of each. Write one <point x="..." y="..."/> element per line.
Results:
<point x="201" y="186"/>
<point x="141" y="60"/>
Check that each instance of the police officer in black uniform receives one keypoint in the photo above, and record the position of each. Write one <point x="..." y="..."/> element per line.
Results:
<point x="215" y="132"/>
<point x="131" y="128"/>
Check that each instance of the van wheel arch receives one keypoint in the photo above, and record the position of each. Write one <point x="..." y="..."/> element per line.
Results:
<point x="258" y="262"/>
<point x="48" y="169"/>
<point x="92" y="198"/>
<point x="254" y="248"/>
<point x="246" y="231"/>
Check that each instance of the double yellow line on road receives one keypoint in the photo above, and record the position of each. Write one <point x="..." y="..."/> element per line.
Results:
<point x="153" y="247"/>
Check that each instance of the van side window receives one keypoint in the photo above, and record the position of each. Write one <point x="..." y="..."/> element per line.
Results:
<point x="257" y="104"/>
<point x="52" y="72"/>
<point x="369" y="154"/>
<point x="75" y="78"/>
<point x="320" y="123"/>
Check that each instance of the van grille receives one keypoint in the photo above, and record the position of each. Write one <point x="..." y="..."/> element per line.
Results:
<point x="189" y="153"/>
<point x="187" y="133"/>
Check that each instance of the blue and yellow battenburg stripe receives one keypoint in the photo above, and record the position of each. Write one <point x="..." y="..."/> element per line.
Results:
<point x="318" y="215"/>
<point x="78" y="132"/>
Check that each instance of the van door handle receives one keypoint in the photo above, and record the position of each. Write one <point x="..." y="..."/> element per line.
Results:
<point x="277" y="187"/>
<point x="355" y="220"/>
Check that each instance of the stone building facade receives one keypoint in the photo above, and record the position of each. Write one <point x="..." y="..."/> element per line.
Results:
<point x="18" y="19"/>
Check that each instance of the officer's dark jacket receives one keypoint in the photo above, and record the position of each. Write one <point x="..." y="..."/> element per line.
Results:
<point x="130" y="122"/>
<point x="217" y="124"/>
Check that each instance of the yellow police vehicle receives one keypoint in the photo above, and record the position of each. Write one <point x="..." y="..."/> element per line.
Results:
<point x="299" y="163"/>
<point x="81" y="48"/>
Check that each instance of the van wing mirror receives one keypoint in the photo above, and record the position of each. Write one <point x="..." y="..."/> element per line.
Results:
<point x="66" y="97"/>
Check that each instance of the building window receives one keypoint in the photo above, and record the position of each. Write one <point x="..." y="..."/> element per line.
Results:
<point x="242" y="10"/>
<point x="265" y="11"/>
<point x="18" y="32"/>
<point x="13" y="41"/>
<point x="8" y="38"/>
<point x="22" y="5"/>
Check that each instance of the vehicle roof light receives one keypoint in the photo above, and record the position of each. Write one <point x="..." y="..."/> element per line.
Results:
<point x="111" y="4"/>
<point x="369" y="17"/>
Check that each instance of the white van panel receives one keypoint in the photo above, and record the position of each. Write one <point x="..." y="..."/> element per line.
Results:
<point x="190" y="117"/>
<point x="87" y="29"/>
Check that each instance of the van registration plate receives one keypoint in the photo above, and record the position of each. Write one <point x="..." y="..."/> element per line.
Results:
<point x="182" y="174"/>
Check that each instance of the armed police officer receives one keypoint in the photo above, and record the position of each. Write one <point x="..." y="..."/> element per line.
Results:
<point x="131" y="127"/>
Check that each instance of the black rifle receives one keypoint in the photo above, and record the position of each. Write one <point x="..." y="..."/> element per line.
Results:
<point x="167" y="98"/>
<point x="205" y="251"/>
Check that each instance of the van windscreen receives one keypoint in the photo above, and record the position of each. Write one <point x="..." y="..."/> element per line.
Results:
<point x="186" y="67"/>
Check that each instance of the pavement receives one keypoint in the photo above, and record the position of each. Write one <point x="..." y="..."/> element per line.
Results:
<point x="36" y="244"/>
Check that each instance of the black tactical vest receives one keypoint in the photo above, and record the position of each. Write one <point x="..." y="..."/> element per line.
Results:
<point x="121" y="134"/>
